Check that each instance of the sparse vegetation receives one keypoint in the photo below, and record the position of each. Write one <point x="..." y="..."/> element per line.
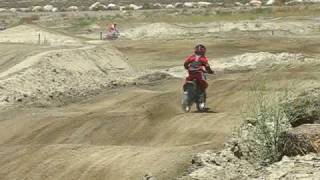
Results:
<point x="265" y="121"/>
<point x="29" y="19"/>
<point x="81" y="23"/>
<point x="304" y="109"/>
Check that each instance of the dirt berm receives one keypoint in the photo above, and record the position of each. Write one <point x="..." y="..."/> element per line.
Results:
<point x="59" y="74"/>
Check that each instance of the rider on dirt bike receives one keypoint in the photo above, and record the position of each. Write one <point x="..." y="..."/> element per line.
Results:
<point x="197" y="64"/>
<point x="112" y="32"/>
<point x="113" y="28"/>
<point x="196" y="84"/>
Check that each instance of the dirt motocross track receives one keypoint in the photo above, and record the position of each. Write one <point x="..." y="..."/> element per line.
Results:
<point x="127" y="123"/>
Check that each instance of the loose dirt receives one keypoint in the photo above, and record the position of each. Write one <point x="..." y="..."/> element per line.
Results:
<point x="34" y="35"/>
<point x="129" y="122"/>
<point x="54" y="75"/>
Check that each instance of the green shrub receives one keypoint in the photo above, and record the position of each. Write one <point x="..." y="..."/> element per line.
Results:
<point x="265" y="121"/>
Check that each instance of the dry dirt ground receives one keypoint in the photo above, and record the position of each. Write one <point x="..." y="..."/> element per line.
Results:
<point x="133" y="124"/>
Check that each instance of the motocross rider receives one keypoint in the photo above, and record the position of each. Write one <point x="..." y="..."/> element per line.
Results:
<point x="197" y="64"/>
<point x="113" y="28"/>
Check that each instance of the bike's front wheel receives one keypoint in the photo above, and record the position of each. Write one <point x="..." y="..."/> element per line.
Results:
<point x="201" y="107"/>
<point x="186" y="106"/>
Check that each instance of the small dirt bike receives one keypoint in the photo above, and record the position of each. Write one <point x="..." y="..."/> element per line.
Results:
<point x="192" y="93"/>
<point x="112" y="35"/>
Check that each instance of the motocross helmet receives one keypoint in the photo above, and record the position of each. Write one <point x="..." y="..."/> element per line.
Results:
<point x="200" y="50"/>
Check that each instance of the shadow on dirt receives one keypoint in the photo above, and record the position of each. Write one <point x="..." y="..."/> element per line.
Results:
<point x="207" y="110"/>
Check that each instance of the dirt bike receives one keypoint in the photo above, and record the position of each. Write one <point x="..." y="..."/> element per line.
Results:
<point x="112" y="35"/>
<point x="192" y="93"/>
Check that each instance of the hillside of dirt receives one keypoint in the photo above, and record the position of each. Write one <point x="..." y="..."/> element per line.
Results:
<point x="60" y="73"/>
<point x="34" y="35"/>
<point x="54" y="75"/>
<point x="265" y="27"/>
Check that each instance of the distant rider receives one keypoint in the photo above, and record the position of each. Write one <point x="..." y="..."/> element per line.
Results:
<point x="197" y="64"/>
<point x="113" y="30"/>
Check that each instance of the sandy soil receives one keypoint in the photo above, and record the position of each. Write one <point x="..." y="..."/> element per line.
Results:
<point x="64" y="72"/>
<point x="12" y="54"/>
<point x="265" y="27"/>
<point x="122" y="134"/>
<point x="133" y="125"/>
<point x="35" y="35"/>
<point x="126" y="133"/>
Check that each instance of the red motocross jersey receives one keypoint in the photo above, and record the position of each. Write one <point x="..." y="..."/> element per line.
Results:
<point x="196" y="63"/>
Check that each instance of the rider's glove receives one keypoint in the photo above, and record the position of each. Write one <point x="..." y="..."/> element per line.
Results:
<point x="209" y="70"/>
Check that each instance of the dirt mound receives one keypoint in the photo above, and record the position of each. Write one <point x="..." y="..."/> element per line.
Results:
<point x="155" y="30"/>
<point x="12" y="54"/>
<point x="288" y="27"/>
<point x="214" y="165"/>
<point x="246" y="62"/>
<point x="50" y="76"/>
<point x="152" y="78"/>
<point x="224" y="165"/>
<point x="178" y="72"/>
<point x="255" y="60"/>
<point x="165" y="30"/>
<point x="35" y="35"/>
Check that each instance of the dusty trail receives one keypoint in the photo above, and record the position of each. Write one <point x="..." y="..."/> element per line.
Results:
<point x="118" y="135"/>
<point x="12" y="54"/>
<point x="128" y="132"/>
